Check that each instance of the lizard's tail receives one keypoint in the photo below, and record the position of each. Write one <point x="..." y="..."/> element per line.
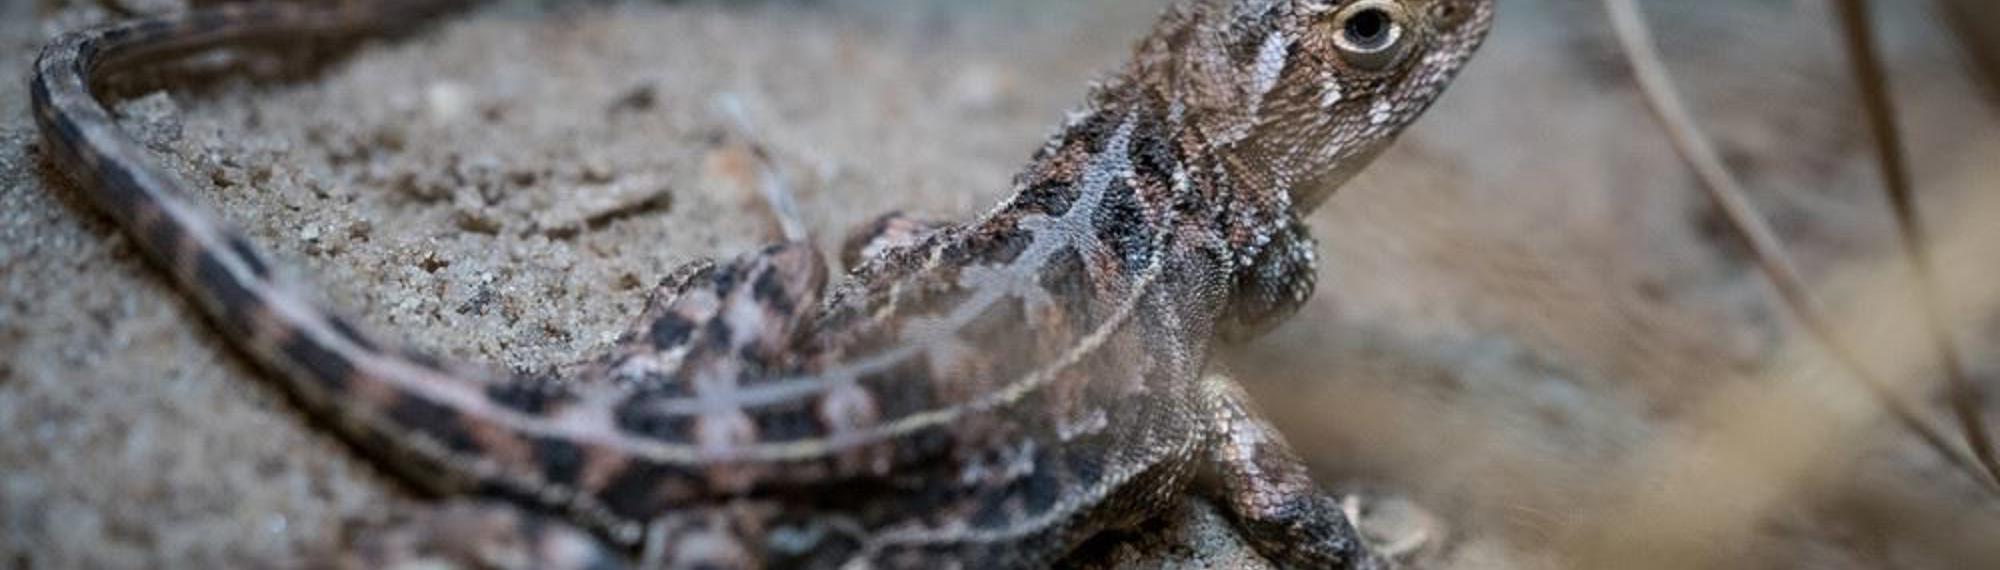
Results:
<point x="451" y="428"/>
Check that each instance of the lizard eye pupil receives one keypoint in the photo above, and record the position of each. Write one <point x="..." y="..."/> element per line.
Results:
<point x="1367" y="27"/>
<point x="1372" y="35"/>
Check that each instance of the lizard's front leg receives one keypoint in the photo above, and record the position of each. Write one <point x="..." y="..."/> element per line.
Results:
<point x="1275" y="285"/>
<point x="1264" y="486"/>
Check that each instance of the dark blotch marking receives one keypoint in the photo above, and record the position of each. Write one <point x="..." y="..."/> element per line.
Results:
<point x="717" y="335"/>
<point x="1052" y="200"/>
<point x="902" y="390"/>
<point x="1153" y="154"/>
<point x="670" y="330"/>
<point x="561" y="461"/>
<point x="249" y="257"/>
<point x="923" y="445"/>
<point x="1039" y="489"/>
<point x="236" y="302"/>
<point x="996" y="511"/>
<point x="725" y="279"/>
<point x="638" y="492"/>
<point x="638" y="416"/>
<point x="672" y="385"/>
<point x="1122" y="225"/>
<point x="990" y="248"/>
<point x="771" y="293"/>
<point x="436" y="420"/>
<point x="347" y="331"/>
<point x="331" y="370"/>
<point x="1068" y="283"/>
<point x="159" y="232"/>
<point x="790" y="421"/>
<point x="1247" y="37"/>
<point x="534" y="396"/>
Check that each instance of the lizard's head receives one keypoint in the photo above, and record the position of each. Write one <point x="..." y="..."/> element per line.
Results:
<point x="1288" y="99"/>
<point x="1302" y="93"/>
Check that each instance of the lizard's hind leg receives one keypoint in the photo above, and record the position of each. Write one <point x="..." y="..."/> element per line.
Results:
<point x="753" y="307"/>
<point x="656" y="343"/>
<point x="652" y="345"/>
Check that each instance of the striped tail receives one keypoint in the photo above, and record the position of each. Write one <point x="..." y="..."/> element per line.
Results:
<point x="453" y="429"/>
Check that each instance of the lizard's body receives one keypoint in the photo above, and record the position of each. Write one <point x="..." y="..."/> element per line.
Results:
<point x="986" y="394"/>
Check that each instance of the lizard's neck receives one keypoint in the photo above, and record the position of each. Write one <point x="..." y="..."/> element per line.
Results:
<point x="1135" y="178"/>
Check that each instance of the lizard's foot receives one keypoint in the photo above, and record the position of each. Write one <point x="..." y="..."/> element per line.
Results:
<point x="463" y="535"/>
<point x="1264" y="486"/>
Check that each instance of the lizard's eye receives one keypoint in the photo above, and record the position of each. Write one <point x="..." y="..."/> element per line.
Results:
<point x="1372" y="35"/>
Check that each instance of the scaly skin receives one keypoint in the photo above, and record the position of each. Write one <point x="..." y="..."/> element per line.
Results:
<point x="985" y="394"/>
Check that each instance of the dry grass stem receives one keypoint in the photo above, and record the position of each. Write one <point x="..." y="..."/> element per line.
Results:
<point x="1872" y="86"/>
<point x="1629" y="25"/>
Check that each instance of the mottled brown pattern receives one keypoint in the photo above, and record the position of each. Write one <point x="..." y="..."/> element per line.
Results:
<point x="988" y="393"/>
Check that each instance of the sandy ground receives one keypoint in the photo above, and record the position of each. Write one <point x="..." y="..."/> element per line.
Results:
<point x="1521" y="305"/>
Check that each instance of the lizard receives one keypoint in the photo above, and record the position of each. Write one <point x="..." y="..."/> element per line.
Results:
<point x="988" y="393"/>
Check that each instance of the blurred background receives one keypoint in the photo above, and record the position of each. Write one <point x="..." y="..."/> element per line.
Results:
<point x="1531" y="323"/>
